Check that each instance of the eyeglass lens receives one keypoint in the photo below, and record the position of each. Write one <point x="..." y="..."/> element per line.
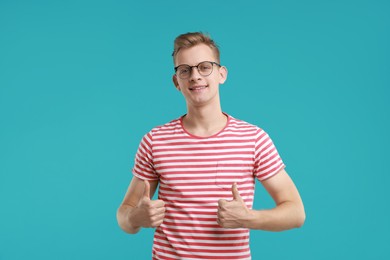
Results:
<point x="204" y="68"/>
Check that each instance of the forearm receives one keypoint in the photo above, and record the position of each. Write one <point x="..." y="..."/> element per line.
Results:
<point x="124" y="219"/>
<point x="286" y="215"/>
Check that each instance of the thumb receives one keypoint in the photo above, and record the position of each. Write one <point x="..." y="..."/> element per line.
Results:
<point x="147" y="189"/>
<point x="235" y="192"/>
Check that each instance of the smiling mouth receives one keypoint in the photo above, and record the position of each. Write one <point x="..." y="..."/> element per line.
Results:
<point x="195" y="88"/>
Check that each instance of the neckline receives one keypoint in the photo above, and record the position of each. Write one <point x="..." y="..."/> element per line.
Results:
<point x="204" y="137"/>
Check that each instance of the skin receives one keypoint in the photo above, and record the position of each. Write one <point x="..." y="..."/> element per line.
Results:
<point x="288" y="213"/>
<point x="204" y="114"/>
<point x="204" y="118"/>
<point x="137" y="209"/>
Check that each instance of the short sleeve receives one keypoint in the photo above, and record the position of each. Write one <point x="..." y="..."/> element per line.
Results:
<point x="143" y="165"/>
<point x="267" y="159"/>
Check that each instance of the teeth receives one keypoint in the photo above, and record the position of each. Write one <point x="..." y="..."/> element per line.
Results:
<point x="197" y="88"/>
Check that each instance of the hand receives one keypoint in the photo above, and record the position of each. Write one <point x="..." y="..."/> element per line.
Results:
<point x="231" y="214"/>
<point x="148" y="213"/>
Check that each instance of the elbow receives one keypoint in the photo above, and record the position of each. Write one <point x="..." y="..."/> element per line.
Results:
<point x="128" y="230"/>
<point x="123" y="221"/>
<point x="120" y="218"/>
<point x="301" y="218"/>
<point x="301" y="221"/>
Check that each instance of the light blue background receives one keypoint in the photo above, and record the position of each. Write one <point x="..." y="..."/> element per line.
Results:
<point x="82" y="81"/>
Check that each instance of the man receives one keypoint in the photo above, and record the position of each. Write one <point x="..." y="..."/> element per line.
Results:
<point x="206" y="163"/>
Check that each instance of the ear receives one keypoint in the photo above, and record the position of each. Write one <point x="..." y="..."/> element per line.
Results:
<point x="175" y="82"/>
<point x="223" y="72"/>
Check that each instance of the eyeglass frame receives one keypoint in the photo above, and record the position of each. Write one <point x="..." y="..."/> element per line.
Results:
<point x="197" y="67"/>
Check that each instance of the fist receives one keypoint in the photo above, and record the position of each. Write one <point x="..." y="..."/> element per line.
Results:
<point x="232" y="214"/>
<point x="149" y="213"/>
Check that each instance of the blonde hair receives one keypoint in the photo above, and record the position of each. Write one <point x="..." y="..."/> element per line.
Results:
<point x="191" y="39"/>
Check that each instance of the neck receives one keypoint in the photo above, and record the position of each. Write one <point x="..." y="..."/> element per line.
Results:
<point x="204" y="121"/>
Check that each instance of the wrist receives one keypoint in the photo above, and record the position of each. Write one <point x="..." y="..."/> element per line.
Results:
<point x="244" y="219"/>
<point x="253" y="219"/>
<point x="131" y="218"/>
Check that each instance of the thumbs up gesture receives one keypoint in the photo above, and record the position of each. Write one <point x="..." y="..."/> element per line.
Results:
<point x="149" y="213"/>
<point x="231" y="214"/>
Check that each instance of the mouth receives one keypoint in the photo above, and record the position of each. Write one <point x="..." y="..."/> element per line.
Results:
<point x="197" y="88"/>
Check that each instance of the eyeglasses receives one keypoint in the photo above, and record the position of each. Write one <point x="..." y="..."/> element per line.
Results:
<point x="205" y="68"/>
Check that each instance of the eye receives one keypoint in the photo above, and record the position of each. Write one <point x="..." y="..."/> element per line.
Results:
<point x="204" y="66"/>
<point x="183" y="70"/>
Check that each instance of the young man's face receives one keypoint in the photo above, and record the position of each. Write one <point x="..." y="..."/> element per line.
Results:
<point x="199" y="90"/>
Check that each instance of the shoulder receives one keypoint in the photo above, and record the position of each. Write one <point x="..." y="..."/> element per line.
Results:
<point x="242" y="125"/>
<point x="166" y="129"/>
<point x="248" y="130"/>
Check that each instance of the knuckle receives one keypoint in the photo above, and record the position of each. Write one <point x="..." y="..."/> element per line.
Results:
<point x="146" y="202"/>
<point x="156" y="222"/>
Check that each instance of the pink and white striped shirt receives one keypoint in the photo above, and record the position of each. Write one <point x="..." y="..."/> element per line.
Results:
<point x="194" y="173"/>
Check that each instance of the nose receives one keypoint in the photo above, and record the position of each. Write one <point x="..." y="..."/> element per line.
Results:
<point x="194" y="73"/>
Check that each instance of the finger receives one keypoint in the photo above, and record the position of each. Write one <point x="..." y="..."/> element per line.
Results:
<point x="160" y="211"/>
<point x="158" y="203"/>
<point x="153" y="213"/>
<point x="157" y="223"/>
<point x="219" y="222"/>
<point x="157" y="219"/>
<point x="147" y="189"/>
<point x="221" y="203"/>
<point x="235" y="192"/>
<point x="157" y="211"/>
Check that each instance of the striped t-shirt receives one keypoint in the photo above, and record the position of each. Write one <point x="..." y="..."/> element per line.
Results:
<point x="194" y="173"/>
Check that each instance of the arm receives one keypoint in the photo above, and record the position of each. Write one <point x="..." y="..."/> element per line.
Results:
<point x="289" y="211"/>
<point x="137" y="209"/>
<point x="287" y="214"/>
